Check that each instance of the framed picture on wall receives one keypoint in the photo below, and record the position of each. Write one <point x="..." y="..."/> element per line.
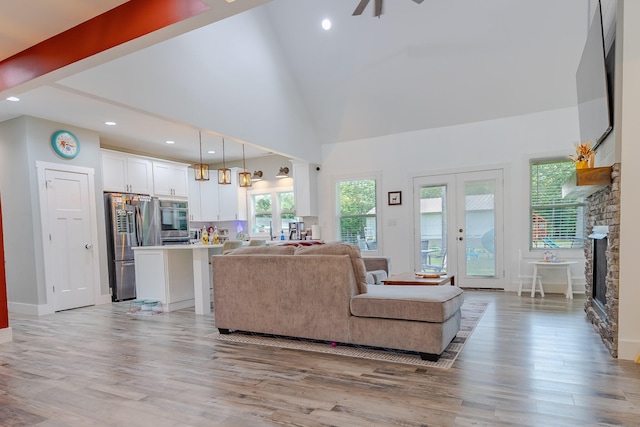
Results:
<point x="395" y="197"/>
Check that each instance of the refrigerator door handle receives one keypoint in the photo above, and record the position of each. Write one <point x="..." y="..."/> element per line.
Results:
<point x="138" y="227"/>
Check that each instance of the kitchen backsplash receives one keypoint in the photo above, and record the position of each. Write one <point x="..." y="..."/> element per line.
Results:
<point x="237" y="229"/>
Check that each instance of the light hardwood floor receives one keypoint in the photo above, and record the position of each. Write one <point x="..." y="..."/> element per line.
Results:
<point x="534" y="362"/>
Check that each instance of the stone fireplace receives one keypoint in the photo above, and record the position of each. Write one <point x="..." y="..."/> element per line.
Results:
<point x="602" y="261"/>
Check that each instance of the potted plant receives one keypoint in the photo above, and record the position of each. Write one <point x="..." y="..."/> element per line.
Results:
<point x="584" y="155"/>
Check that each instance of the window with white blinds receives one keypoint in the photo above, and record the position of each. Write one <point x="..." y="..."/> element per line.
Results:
<point x="555" y="222"/>
<point x="357" y="203"/>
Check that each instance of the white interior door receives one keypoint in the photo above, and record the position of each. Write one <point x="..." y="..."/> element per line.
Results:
<point x="70" y="248"/>
<point x="458" y="223"/>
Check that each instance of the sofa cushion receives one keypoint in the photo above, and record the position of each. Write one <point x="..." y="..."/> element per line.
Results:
<point x="266" y="250"/>
<point x="339" y="248"/>
<point x="422" y="303"/>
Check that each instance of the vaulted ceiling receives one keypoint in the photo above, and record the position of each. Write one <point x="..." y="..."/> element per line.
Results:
<point x="265" y="72"/>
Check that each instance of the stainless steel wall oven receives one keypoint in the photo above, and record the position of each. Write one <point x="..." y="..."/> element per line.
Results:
<point x="174" y="222"/>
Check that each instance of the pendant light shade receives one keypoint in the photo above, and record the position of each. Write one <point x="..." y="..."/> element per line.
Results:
<point x="244" y="177"/>
<point x="201" y="170"/>
<point x="224" y="173"/>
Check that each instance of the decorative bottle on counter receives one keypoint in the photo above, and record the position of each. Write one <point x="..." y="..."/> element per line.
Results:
<point x="282" y="235"/>
<point x="205" y="236"/>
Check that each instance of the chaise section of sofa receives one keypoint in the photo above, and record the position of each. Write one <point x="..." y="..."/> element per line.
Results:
<point x="417" y="318"/>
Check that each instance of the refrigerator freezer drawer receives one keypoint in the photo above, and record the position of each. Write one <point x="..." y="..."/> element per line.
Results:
<point x="125" y="286"/>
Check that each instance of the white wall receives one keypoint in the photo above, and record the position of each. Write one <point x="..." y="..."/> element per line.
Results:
<point x="23" y="142"/>
<point x="19" y="230"/>
<point x="247" y="90"/>
<point x="629" y="134"/>
<point x="508" y="143"/>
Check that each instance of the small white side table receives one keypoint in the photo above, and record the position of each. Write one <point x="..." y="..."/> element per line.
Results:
<point x="566" y="264"/>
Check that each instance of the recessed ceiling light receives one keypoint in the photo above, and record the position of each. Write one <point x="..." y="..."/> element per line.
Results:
<point x="110" y="123"/>
<point x="326" y="24"/>
<point x="211" y="152"/>
<point x="13" y="99"/>
<point x="171" y="142"/>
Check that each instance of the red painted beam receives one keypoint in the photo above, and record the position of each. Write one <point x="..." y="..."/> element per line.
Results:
<point x="119" y="25"/>
<point x="4" y="311"/>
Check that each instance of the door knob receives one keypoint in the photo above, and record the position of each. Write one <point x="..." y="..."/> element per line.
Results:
<point x="88" y="246"/>
<point x="460" y="238"/>
<point x="460" y="230"/>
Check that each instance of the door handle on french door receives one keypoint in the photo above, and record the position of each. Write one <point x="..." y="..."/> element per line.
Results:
<point x="89" y="246"/>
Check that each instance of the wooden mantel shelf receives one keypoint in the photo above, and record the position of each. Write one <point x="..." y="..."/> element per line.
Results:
<point x="586" y="182"/>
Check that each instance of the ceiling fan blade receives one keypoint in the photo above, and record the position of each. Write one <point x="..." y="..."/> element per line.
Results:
<point x="360" y="7"/>
<point x="378" y="8"/>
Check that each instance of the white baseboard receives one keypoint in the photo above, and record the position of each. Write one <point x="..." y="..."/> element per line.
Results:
<point x="6" y="335"/>
<point x="103" y="299"/>
<point x="29" y="309"/>
<point x="179" y="305"/>
<point x="44" y="309"/>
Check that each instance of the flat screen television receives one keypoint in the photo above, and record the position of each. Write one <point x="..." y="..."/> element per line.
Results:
<point x="594" y="88"/>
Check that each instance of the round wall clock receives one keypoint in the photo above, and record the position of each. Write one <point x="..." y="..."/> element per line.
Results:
<point x="65" y="144"/>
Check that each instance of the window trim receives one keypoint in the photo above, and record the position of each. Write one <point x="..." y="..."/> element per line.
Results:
<point x="581" y="202"/>
<point x="275" y="208"/>
<point x="377" y="177"/>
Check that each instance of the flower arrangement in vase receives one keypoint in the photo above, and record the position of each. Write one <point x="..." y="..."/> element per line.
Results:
<point x="584" y="156"/>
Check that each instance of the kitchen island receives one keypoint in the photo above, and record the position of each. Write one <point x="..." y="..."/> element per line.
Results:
<point x="176" y="275"/>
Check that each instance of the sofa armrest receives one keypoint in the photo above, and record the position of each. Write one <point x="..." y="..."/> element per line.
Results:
<point x="377" y="263"/>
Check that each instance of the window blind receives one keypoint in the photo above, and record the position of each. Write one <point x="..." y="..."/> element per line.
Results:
<point x="555" y="222"/>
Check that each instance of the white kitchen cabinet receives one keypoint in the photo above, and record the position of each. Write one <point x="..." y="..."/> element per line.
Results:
<point x="170" y="180"/>
<point x="232" y="199"/>
<point x="203" y="199"/>
<point x="195" y="210"/>
<point x="126" y="173"/>
<point x="305" y="189"/>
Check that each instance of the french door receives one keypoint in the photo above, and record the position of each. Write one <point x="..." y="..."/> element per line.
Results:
<point x="458" y="227"/>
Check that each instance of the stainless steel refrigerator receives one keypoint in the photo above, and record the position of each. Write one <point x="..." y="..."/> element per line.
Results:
<point x="132" y="220"/>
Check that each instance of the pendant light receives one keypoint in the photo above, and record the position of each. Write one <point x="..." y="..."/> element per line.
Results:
<point x="201" y="170"/>
<point x="244" y="176"/>
<point x="224" y="173"/>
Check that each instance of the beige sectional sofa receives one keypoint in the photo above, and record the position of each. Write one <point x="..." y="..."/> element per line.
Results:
<point x="320" y="292"/>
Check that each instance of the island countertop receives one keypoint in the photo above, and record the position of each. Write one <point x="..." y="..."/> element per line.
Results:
<point x="177" y="247"/>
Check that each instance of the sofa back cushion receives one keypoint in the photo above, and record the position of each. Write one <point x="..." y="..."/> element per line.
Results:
<point x="263" y="250"/>
<point x="339" y="248"/>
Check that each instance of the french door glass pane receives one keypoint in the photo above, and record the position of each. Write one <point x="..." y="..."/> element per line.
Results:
<point x="433" y="229"/>
<point x="479" y="228"/>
